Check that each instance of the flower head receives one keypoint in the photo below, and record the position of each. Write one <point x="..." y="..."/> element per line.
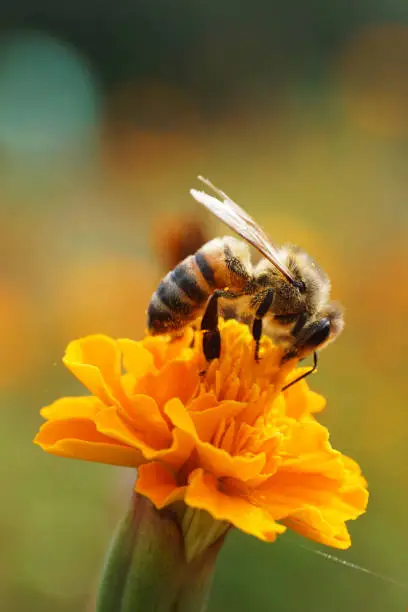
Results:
<point x="220" y="437"/>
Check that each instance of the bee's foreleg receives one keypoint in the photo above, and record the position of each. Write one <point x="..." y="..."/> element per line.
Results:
<point x="259" y="315"/>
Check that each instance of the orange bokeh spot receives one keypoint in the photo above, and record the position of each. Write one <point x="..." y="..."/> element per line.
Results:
<point x="108" y="294"/>
<point x="19" y="335"/>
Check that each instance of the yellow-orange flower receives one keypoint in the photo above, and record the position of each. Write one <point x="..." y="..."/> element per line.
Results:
<point x="227" y="440"/>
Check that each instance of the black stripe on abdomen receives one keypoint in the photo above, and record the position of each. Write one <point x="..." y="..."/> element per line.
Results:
<point x="206" y="270"/>
<point x="185" y="280"/>
<point x="169" y="294"/>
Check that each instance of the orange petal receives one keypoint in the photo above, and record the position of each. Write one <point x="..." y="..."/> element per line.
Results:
<point x="212" y="459"/>
<point x="95" y="361"/>
<point x="176" y="379"/>
<point x="178" y="415"/>
<point x="312" y="523"/>
<point x="271" y="449"/>
<point x="300" y="400"/>
<point x="203" y="492"/>
<point x="158" y="484"/>
<point x="179" y="451"/>
<point x="308" y="449"/>
<point x="204" y="401"/>
<point x="146" y="416"/>
<point x="354" y="471"/>
<point x="128" y="383"/>
<point x="109" y="423"/>
<point x="292" y="375"/>
<point x="83" y="407"/>
<point x="276" y="409"/>
<point x="136" y="358"/>
<point x="221" y="463"/>
<point x="207" y="421"/>
<point x="287" y="492"/>
<point x="164" y="348"/>
<point x="307" y="437"/>
<point x="315" y="402"/>
<point x="261" y="405"/>
<point x="79" y="439"/>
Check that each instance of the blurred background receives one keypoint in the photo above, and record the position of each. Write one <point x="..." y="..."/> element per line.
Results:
<point x="108" y="111"/>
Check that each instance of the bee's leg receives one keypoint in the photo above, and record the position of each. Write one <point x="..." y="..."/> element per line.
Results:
<point x="209" y="324"/>
<point x="302" y="376"/>
<point x="259" y="315"/>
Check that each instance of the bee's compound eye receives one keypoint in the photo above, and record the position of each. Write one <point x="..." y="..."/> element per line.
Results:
<point x="319" y="333"/>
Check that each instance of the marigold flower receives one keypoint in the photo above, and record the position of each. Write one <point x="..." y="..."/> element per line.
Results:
<point x="221" y="437"/>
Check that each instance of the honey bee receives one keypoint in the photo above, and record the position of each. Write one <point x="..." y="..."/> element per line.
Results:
<point x="285" y="295"/>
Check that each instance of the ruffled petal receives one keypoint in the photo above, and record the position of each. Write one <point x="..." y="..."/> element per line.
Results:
<point x="79" y="439"/>
<point x="308" y="450"/>
<point x="222" y="464"/>
<point x="145" y="416"/>
<point x="82" y="407"/>
<point x="316" y="525"/>
<point x="179" y="417"/>
<point x="203" y="492"/>
<point x="207" y="421"/>
<point x="213" y="459"/>
<point x="300" y="400"/>
<point x="165" y="348"/>
<point x="110" y="423"/>
<point x="176" y="379"/>
<point x="178" y="453"/>
<point x="137" y="360"/>
<point x="285" y="493"/>
<point x="95" y="361"/>
<point x="158" y="484"/>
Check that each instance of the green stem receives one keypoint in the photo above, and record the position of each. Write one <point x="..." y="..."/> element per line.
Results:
<point x="147" y="570"/>
<point x="143" y="568"/>
<point x="196" y="588"/>
<point x="117" y="562"/>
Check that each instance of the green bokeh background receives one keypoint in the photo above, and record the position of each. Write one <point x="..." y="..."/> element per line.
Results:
<point x="299" y="110"/>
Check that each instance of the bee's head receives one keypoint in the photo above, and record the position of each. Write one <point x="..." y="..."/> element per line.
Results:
<point x="318" y="332"/>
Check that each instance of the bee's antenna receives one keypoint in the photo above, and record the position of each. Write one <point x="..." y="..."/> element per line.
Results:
<point x="312" y="369"/>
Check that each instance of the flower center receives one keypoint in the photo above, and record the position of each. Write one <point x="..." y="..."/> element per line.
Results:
<point x="243" y="390"/>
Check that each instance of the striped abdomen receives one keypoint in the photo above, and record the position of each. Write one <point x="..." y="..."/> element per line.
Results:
<point x="183" y="293"/>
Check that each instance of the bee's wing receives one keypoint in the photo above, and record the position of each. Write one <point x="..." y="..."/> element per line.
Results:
<point x="237" y="219"/>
